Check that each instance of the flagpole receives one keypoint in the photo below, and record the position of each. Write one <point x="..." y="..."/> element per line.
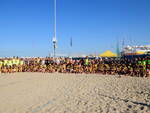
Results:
<point x="54" y="38"/>
<point x="54" y="18"/>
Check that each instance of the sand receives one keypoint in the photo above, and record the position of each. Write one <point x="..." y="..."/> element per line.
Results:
<point x="70" y="93"/>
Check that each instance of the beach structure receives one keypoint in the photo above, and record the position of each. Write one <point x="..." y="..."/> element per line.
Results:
<point x="54" y="40"/>
<point x="136" y="50"/>
<point x="108" y="53"/>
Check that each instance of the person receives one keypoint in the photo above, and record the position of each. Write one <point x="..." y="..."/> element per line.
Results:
<point x="5" y="61"/>
<point x="10" y="63"/>
<point x="86" y="64"/>
<point x="132" y="67"/>
<point x="21" y="62"/>
<point x="86" y="61"/>
<point x="1" y="64"/>
<point x="148" y="66"/>
<point x="13" y="61"/>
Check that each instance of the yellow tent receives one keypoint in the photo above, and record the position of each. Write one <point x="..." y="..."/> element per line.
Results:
<point x="140" y="52"/>
<point x="108" y="53"/>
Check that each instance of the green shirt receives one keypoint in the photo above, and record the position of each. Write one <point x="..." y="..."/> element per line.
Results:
<point x="148" y="62"/>
<point x="144" y="62"/>
<point x="13" y="61"/>
<point x="139" y="62"/>
<point x="5" y="62"/>
<point x="1" y="63"/>
<point x="10" y="62"/>
<point x="21" y="62"/>
<point x="86" y="61"/>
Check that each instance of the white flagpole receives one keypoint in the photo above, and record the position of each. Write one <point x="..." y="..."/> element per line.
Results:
<point x="54" y="38"/>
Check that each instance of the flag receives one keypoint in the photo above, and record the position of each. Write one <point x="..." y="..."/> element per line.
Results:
<point x="71" y="41"/>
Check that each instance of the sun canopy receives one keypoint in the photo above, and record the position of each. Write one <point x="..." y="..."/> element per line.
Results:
<point x="108" y="53"/>
<point x="140" y="52"/>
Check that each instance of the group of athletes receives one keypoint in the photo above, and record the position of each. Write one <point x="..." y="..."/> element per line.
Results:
<point x="139" y="67"/>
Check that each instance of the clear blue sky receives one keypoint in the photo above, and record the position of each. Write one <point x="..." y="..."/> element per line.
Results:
<point x="26" y="26"/>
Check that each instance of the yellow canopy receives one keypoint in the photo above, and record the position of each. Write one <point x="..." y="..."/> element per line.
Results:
<point x="140" y="52"/>
<point x="108" y="53"/>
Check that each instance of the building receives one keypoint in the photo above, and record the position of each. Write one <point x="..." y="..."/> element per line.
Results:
<point x="136" y="50"/>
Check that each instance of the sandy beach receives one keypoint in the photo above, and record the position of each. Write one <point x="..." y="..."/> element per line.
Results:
<point x="71" y="93"/>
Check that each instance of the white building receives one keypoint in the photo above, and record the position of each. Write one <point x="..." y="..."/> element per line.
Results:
<point x="135" y="50"/>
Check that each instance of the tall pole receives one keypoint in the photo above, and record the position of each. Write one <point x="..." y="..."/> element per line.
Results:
<point x="54" y="18"/>
<point x="54" y="38"/>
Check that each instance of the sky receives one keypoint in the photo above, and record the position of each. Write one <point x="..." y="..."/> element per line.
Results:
<point x="26" y="26"/>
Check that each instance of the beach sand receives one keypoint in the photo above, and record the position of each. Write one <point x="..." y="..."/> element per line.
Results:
<point x="73" y="93"/>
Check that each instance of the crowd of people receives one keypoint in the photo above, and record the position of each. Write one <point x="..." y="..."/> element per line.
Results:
<point x="139" y="67"/>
